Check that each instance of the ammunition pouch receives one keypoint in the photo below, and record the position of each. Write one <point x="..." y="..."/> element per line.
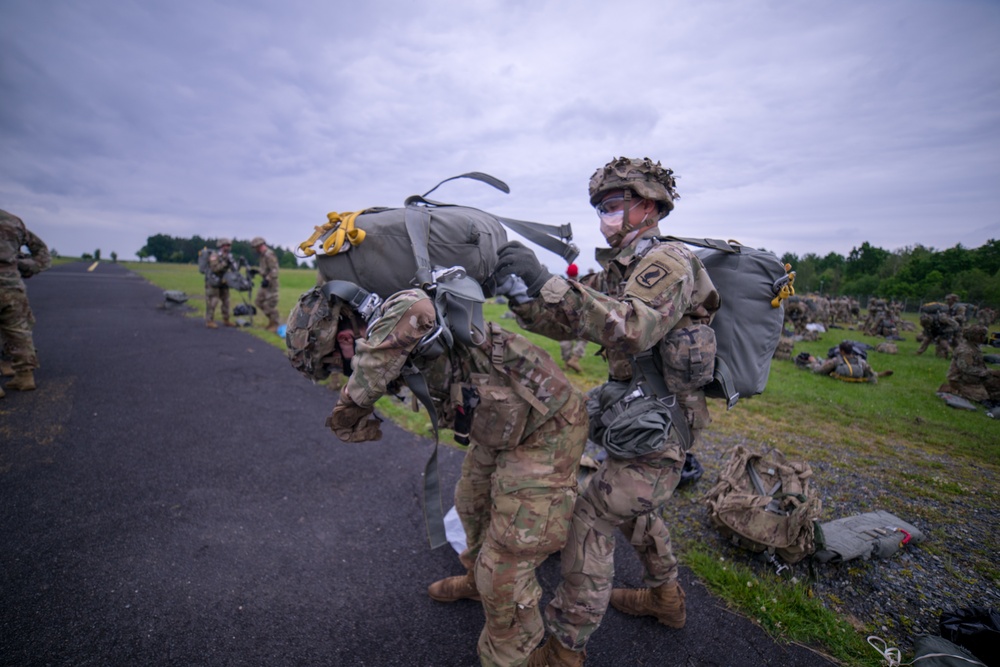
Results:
<point x="500" y="417"/>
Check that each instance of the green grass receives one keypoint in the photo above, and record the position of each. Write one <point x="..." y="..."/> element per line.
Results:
<point x="806" y="416"/>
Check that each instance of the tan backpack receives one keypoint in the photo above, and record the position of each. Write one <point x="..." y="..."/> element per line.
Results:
<point x="762" y="503"/>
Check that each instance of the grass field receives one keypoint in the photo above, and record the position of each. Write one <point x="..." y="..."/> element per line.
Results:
<point x="899" y="430"/>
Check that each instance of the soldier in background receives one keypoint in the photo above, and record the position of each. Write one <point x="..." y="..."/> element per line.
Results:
<point x="652" y="288"/>
<point x="847" y="365"/>
<point x="572" y="351"/>
<point x="957" y="310"/>
<point x="220" y="261"/>
<point x="968" y="375"/>
<point x="16" y="318"/>
<point x="267" y="296"/>
<point x="939" y="327"/>
<point x="526" y="433"/>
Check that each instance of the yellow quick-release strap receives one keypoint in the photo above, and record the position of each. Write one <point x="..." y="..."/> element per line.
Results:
<point x="342" y="227"/>
<point x="787" y="290"/>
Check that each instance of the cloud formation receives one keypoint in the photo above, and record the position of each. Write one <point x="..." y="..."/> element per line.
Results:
<point x="800" y="127"/>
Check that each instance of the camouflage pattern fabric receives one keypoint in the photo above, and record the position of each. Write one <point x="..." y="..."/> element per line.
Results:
<point x="570" y="349"/>
<point x="773" y="517"/>
<point x="850" y="368"/>
<point x="786" y="344"/>
<point x="16" y="318"/>
<point x="217" y="293"/>
<point x="968" y="375"/>
<point x="514" y="499"/>
<point x="649" y="289"/>
<point x="267" y="297"/>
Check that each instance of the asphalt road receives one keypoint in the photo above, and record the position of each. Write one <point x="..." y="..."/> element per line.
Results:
<point x="170" y="496"/>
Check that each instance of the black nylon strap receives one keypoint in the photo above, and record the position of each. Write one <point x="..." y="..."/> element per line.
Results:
<point x="433" y="515"/>
<point x="714" y="244"/>
<point x="644" y="362"/>
<point x="418" y="226"/>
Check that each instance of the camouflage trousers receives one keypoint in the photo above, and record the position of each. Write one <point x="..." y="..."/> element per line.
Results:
<point x="572" y="348"/>
<point x="515" y="505"/>
<point x="214" y="297"/>
<point x="267" y="302"/>
<point x="625" y="495"/>
<point x="16" y="323"/>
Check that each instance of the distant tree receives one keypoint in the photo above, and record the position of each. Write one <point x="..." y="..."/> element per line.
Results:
<point x="97" y="254"/>
<point x="142" y="253"/>
<point x="86" y="255"/>
<point x="114" y="257"/>
<point x="865" y="261"/>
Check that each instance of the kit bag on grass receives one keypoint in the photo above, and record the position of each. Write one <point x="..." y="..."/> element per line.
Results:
<point x="763" y="503"/>
<point x="386" y="250"/>
<point x="752" y="285"/>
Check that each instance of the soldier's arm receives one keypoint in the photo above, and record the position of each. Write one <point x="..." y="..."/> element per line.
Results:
<point x="40" y="259"/>
<point x="380" y="356"/>
<point x="659" y="293"/>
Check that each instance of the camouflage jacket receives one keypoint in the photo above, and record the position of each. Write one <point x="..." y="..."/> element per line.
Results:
<point x="269" y="267"/>
<point x="13" y="265"/>
<point x="407" y="317"/>
<point x="219" y="262"/>
<point x="968" y="373"/>
<point x="644" y="291"/>
<point x="847" y="367"/>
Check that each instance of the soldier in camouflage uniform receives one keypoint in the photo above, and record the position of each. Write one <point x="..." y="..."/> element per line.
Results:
<point x="648" y="288"/>
<point x="267" y="296"/>
<point x="968" y="375"/>
<point x="216" y="290"/>
<point x="518" y="482"/>
<point x="16" y="318"/>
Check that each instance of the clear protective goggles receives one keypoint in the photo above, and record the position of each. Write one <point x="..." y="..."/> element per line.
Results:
<point x="615" y="205"/>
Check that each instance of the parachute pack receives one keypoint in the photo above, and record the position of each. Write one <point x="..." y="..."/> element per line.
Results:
<point x="386" y="250"/>
<point x="753" y="285"/>
<point x="763" y="503"/>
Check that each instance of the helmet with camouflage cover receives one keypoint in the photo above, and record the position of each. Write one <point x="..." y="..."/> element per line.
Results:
<point x="256" y="242"/>
<point x="225" y="241"/>
<point x="644" y="177"/>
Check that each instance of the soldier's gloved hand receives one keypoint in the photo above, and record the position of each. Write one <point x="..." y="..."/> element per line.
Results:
<point x="352" y="423"/>
<point x="26" y="268"/>
<point x="514" y="259"/>
<point x="265" y="283"/>
<point x="514" y="289"/>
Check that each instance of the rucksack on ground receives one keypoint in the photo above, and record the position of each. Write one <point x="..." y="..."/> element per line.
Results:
<point x="753" y="285"/>
<point x="764" y="503"/>
<point x="386" y="250"/>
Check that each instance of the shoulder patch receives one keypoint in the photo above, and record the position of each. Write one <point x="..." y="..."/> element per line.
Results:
<point x="651" y="274"/>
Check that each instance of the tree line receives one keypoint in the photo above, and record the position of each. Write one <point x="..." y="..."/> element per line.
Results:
<point x="177" y="250"/>
<point x="914" y="274"/>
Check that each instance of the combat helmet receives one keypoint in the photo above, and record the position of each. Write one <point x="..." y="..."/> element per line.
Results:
<point x="225" y="241"/>
<point x="256" y="242"/>
<point x="646" y="178"/>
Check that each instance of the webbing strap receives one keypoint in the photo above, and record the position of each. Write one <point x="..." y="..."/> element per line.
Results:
<point x="723" y="375"/>
<point x="433" y="515"/>
<point x="418" y="227"/>
<point x="731" y="247"/>
<point x="644" y="362"/>
<point x="546" y="236"/>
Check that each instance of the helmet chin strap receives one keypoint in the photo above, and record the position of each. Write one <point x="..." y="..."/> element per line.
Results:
<point x="626" y="228"/>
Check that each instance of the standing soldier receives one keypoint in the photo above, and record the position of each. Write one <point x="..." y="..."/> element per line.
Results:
<point x="220" y="261"/>
<point x="526" y="433"/>
<point x="267" y="296"/>
<point x="16" y="318"/>
<point x="572" y="351"/>
<point x="653" y="289"/>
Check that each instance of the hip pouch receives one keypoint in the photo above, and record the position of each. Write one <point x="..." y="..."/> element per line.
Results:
<point x="500" y="417"/>
<point x="687" y="356"/>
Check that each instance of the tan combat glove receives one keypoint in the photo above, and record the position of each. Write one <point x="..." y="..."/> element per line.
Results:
<point x="351" y="422"/>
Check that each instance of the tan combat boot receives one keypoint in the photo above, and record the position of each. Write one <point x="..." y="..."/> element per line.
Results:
<point x="211" y="324"/>
<point x="665" y="602"/>
<point x="227" y="323"/>
<point x="6" y="369"/>
<point x="452" y="589"/>
<point x="22" y="381"/>
<point x="574" y="364"/>
<point x="554" y="654"/>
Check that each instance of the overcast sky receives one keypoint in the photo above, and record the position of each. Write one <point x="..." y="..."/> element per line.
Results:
<point x="794" y="125"/>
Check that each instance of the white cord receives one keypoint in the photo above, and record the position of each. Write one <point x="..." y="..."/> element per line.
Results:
<point x="893" y="658"/>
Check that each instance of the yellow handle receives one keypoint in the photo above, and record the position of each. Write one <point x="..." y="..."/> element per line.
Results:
<point x="343" y="228"/>
<point x="787" y="290"/>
